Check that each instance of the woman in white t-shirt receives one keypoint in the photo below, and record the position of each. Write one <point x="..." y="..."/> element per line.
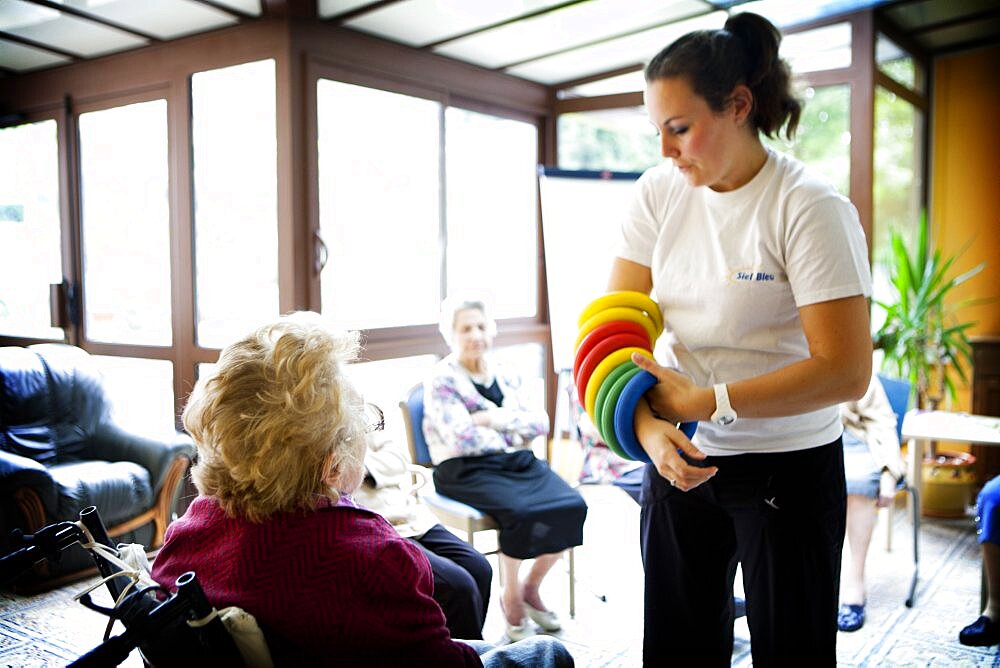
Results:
<point x="761" y="272"/>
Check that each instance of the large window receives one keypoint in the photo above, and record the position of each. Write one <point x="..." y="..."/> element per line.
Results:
<point x="898" y="183"/>
<point x="29" y="229"/>
<point x="380" y="199"/>
<point x="409" y="213"/>
<point x="235" y="190"/>
<point x="125" y="220"/>
<point x="141" y="392"/>
<point x="617" y="140"/>
<point x="492" y="210"/>
<point x="823" y="138"/>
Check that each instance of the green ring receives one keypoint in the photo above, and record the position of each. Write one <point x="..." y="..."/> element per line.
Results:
<point x="602" y="393"/>
<point x="608" y="413"/>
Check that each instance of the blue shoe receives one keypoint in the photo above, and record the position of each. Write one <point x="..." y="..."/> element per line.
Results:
<point x="983" y="632"/>
<point x="851" y="617"/>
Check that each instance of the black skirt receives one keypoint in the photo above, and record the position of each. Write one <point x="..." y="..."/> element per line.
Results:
<point x="537" y="511"/>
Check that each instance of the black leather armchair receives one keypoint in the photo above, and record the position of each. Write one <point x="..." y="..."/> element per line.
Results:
<point x="61" y="451"/>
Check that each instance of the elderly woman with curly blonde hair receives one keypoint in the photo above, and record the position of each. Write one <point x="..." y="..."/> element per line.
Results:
<point x="281" y="434"/>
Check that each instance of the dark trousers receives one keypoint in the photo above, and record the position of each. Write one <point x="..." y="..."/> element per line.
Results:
<point x="462" y="578"/>
<point x="782" y="516"/>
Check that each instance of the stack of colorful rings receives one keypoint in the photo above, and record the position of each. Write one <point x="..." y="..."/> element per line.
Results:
<point x="608" y="383"/>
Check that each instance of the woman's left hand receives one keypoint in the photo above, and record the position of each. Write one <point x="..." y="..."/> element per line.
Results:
<point x="675" y="397"/>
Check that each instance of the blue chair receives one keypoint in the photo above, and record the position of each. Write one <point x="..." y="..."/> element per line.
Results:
<point x="452" y="513"/>
<point x="898" y="393"/>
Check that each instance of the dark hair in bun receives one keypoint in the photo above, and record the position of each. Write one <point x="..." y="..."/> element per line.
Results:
<point x="745" y="52"/>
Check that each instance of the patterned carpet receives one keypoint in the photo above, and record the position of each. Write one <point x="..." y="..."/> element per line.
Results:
<point x="51" y="629"/>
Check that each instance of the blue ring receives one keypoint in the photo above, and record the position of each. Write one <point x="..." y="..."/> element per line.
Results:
<point x="625" y="416"/>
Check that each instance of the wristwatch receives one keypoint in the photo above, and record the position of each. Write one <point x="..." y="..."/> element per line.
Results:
<point x="724" y="413"/>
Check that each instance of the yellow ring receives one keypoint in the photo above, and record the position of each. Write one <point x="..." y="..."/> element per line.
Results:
<point x="618" y="313"/>
<point x="629" y="298"/>
<point x="606" y="366"/>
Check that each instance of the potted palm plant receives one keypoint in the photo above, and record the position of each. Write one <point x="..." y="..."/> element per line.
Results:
<point x="924" y="340"/>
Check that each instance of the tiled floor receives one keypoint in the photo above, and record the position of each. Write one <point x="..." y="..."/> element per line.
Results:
<point x="52" y="629"/>
<point x="607" y="630"/>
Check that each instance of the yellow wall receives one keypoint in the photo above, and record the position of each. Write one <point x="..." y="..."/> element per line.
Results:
<point x="965" y="179"/>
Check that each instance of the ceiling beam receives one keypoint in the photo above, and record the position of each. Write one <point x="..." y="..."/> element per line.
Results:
<point x="298" y="9"/>
<point x="86" y="16"/>
<point x="985" y="15"/>
<point x="39" y="45"/>
<point x="969" y="45"/>
<point x="599" y="102"/>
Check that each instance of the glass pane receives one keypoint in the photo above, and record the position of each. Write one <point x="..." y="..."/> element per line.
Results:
<point x="164" y="19"/>
<point x="574" y="25"/>
<point x="617" y="140"/>
<point x="896" y="62"/>
<point x="612" y="54"/>
<point x="419" y="22"/>
<point x="47" y="26"/>
<point x="30" y="237"/>
<point x="21" y="58"/>
<point x="492" y="210"/>
<point x="385" y="382"/>
<point x="898" y="180"/>
<point x="141" y="393"/>
<point x="825" y="48"/>
<point x="823" y="140"/>
<point x="235" y="196"/>
<point x="126" y="219"/>
<point x="379" y="206"/>
<point x="792" y="12"/>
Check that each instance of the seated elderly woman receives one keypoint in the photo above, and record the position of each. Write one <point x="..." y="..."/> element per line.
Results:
<point x="280" y="433"/>
<point x="478" y="432"/>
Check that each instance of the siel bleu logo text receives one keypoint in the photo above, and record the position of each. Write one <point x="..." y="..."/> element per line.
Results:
<point x="753" y="276"/>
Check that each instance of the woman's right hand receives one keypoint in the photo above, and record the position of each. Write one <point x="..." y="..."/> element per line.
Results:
<point x="664" y="443"/>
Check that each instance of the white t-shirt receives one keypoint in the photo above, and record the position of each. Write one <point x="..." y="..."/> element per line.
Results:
<point x="730" y="270"/>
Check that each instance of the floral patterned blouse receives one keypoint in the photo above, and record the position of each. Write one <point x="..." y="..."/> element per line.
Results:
<point x="450" y="399"/>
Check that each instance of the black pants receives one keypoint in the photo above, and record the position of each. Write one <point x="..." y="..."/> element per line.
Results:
<point x="462" y="578"/>
<point x="782" y="516"/>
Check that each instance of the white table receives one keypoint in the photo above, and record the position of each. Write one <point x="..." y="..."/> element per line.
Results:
<point x="921" y="427"/>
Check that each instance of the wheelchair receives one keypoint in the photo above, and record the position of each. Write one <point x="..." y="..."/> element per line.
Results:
<point x="169" y="629"/>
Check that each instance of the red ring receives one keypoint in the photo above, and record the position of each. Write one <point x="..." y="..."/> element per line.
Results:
<point x="601" y="350"/>
<point x="601" y="332"/>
